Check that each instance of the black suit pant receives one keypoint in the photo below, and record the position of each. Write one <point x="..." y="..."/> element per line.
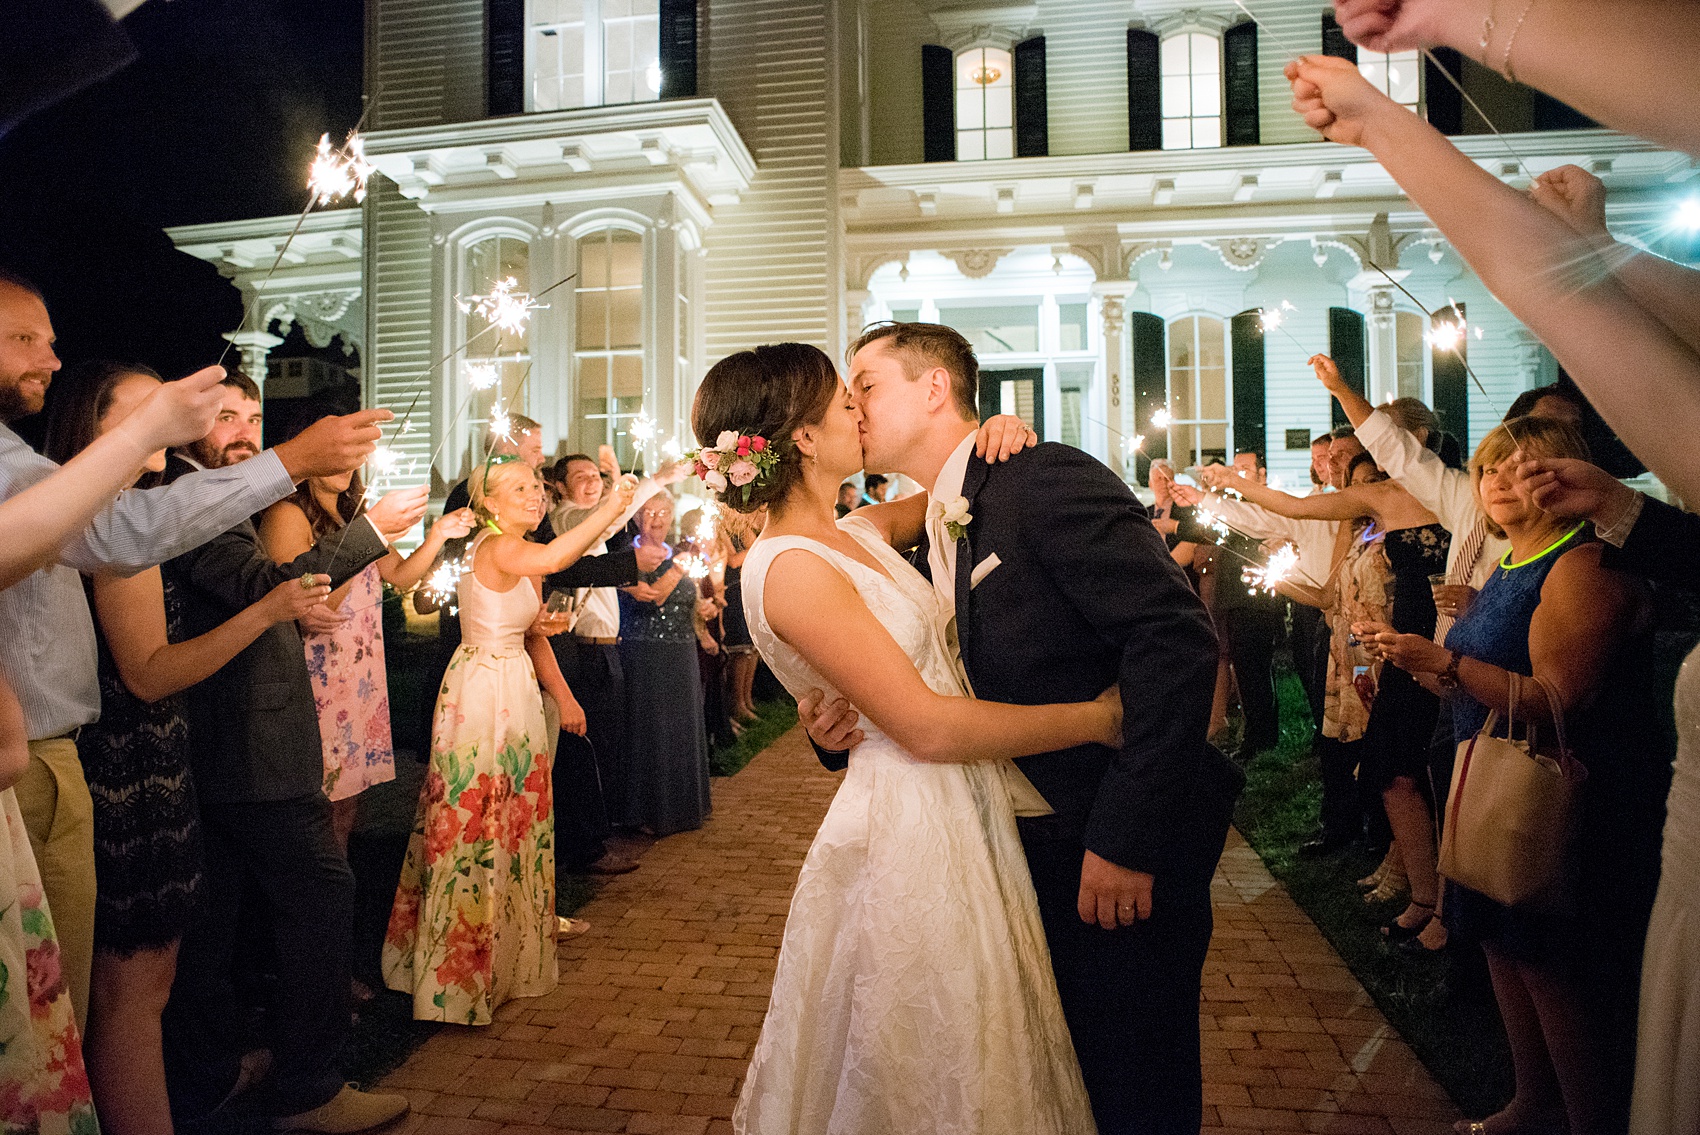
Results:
<point x="288" y="850"/>
<point x="1253" y="632"/>
<point x="1130" y="995"/>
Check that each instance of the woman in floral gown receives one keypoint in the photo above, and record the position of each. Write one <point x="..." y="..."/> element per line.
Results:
<point x="43" y="1086"/>
<point x="474" y="921"/>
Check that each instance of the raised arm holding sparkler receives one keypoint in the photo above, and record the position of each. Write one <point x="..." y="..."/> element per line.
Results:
<point x="1389" y="505"/>
<point x="1639" y="373"/>
<point x="1615" y="63"/>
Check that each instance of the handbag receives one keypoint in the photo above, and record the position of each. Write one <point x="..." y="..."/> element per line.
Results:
<point x="1511" y="814"/>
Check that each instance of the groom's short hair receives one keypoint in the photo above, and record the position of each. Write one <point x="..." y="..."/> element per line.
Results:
<point x="923" y="346"/>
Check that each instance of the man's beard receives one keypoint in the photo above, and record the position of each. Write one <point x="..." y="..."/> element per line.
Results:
<point x="235" y="452"/>
<point x="13" y="402"/>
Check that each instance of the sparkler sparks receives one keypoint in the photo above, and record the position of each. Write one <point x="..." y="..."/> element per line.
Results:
<point x="1162" y="419"/>
<point x="385" y="460"/>
<point x="1270" y="575"/>
<point x="704" y="535"/>
<point x="1209" y="520"/>
<point x="1449" y="336"/>
<point x="643" y="429"/>
<point x="695" y="566"/>
<point x="336" y="174"/>
<point x="505" y="306"/>
<point x="441" y="587"/>
<point x="501" y="424"/>
<point x="481" y="375"/>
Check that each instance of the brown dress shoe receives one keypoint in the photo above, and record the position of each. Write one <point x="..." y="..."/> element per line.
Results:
<point x="348" y="1111"/>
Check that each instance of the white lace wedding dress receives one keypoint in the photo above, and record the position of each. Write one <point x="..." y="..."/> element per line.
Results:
<point x="914" y="989"/>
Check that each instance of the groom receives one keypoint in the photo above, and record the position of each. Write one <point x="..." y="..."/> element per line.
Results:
<point x="1061" y="587"/>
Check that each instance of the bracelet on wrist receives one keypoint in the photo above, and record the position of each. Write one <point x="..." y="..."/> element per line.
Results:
<point x="1448" y="678"/>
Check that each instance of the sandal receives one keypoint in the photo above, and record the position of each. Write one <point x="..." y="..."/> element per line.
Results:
<point x="1396" y="932"/>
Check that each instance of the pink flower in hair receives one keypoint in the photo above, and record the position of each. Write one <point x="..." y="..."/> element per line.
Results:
<point x="741" y="472"/>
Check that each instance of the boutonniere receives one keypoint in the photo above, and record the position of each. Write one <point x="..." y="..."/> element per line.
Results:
<point x="955" y="515"/>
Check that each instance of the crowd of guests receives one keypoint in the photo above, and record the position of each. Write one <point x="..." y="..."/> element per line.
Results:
<point x="195" y="696"/>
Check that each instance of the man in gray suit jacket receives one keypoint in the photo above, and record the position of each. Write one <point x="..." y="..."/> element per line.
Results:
<point x="259" y="773"/>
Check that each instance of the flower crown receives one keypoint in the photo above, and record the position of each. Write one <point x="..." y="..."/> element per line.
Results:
<point x="736" y="464"/>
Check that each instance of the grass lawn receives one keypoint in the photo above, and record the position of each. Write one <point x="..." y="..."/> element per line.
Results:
<point x="1441" y="1006"/>
<point x="778" y="715"/>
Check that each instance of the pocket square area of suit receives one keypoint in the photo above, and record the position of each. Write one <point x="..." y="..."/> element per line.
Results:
<point x="982" y="570"/>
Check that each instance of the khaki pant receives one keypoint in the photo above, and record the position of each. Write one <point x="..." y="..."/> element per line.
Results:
<point x="59" y="817"/>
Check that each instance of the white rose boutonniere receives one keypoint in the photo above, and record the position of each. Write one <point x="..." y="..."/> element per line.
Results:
<point x="955" y="515"/>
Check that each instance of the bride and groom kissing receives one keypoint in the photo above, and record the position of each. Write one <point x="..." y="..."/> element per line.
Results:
<point x="1001" y="925"/>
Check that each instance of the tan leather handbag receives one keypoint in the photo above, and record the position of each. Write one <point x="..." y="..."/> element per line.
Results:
<point x="1511" y="814"/>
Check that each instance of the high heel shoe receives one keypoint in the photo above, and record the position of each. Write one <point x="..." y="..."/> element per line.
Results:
<point x="1393" y="885"/>
<point x="1396" y="933"/>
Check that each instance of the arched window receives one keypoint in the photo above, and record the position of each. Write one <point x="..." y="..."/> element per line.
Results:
<point x="1397" y="75"/>
<point x="593" y="52"/>
<point x="985" y="113"/>
<point x="1192" y="91"/>
<point x="1200" y="426"/>
<point x="608" y="340"/>
<point x="495" y="361"/>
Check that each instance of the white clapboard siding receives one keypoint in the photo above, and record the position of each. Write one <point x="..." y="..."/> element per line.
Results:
<point x="399" y="339"/>
<point x="770" y="273"/>
<point x="425" y="62"/>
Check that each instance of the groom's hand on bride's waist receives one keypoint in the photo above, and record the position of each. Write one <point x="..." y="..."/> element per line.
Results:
<point x="832" y="724"/>
<point x="1111" y="895"/>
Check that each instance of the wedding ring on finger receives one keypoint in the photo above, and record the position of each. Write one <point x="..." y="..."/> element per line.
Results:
<point x="309" y="581"/>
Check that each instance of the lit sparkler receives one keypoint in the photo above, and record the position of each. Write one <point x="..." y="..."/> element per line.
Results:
<point x="1209" y="520"/>
<point x="695" y="566"/>
<point x="501" y="424"/>
<point x="336" y="174"/>
<point x="704" y="535"/>
<point x="643" y="429"/>
<point x="481" y="375"/>
<point x="505" y="306"/>
<point x="442" y="585"/>
<point x="1448" y="336"/>
<point x="1266" y="577"/>
<point x="671" y="449"/>
<point x="385" y="460"/>
<point x="1162" y="419"/>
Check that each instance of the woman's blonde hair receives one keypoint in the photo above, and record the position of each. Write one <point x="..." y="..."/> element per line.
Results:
<point x="1413" y="414"/>
<point x="1536" y="437"/>
<point x="491" y="476"/>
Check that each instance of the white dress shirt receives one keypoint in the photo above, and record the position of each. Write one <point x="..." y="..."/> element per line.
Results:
<point x="941" y="549"/>
<point x="50" y="652"/>
<point x="1448" y="493"/>
<point x="599" y="607"/>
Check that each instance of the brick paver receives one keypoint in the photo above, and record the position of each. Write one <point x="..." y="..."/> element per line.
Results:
<point x="661" y="1001"/>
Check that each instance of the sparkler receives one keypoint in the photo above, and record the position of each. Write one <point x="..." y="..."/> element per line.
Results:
<point x="1162" y="419"/>
<point x="481" y="375"/>
<point x="705" y="533"/>
<point x="442" y="585"/>
<point x="1209" y="520"/>
<point x="504" y="306"/>
<point x="1275" y="319"/>
<point x="336" y="174"/>
<point x="695" y="566"/>
<point x="1268" y="576"/>
<point x="501" y="424"/>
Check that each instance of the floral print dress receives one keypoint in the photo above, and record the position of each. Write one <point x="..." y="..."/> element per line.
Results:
<point x="44" y="1089"/>
<point x="351" y="692"/>
<point x="1361" y="595"/>
<point x="473" y="923"/>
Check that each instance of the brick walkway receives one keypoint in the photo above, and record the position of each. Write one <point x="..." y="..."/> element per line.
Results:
<point x="660" y="1003"/>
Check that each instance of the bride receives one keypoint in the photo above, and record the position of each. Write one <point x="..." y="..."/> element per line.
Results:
<point x="914" y="989"/>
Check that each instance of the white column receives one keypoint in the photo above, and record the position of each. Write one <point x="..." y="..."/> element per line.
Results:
<point x="855" y="314"/>
<point x="254" y="346"/>
<point x="1112" y="298"/>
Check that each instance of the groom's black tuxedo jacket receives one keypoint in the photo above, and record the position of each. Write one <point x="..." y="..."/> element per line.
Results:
<point x="1085" y="595"/>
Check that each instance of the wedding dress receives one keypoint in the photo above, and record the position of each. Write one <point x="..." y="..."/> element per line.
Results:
<point x="1667" y="1053"/>
<point x="914" y="989"/>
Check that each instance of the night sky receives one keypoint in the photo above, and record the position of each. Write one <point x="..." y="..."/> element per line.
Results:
<point x="215" y="120"/>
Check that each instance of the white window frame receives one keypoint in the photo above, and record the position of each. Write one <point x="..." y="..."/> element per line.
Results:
<point x="1192" y="428"/>
<point x="1005" y="135"/>
<point x="595" y="72"/>
<point x="1378" y="67"/>
<point x="469" y="422"/>
<point x="1194" y="120"/>
<point x="611" y="419"/>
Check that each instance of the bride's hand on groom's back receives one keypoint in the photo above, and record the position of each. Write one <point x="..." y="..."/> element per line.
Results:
<point x="833" y="725"/>
<point x="1002" y="436"/>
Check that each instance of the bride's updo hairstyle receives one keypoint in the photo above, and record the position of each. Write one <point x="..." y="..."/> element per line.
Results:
<point x="770" y="392"/>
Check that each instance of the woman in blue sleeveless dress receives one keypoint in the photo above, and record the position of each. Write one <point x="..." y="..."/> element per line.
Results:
<point x="1566" y="979"/>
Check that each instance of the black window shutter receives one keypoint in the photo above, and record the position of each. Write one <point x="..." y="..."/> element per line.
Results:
<point x="1346" y="348"/>
<point x="1445" y="103"/>
<point x="1150" y="387"/>
<point x="1452" y="380"/>
<point x="1334" y="41"/>
<point x="1245" y="337"/>
<point x="678" y="49"/>
<point x="1032" y="123"/>
<point x="938" y="103"/>
<point x="1144" y="91"/>
<point x="504" y="57"/>
<point x="1239" y="81"/>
